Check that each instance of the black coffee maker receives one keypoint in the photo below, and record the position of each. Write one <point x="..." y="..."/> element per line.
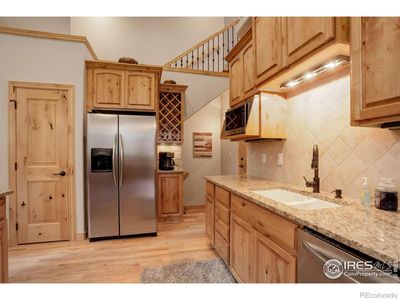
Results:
<point x="165" y="160"/>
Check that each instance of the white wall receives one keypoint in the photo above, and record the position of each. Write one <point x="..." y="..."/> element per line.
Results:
<point x="47" y="61"/>
<point x="229" y="150"/>
<point x="208" y="119"/>
<point x="50" y="24"/>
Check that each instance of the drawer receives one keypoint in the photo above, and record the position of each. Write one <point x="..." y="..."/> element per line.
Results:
<point x="271" y="225"/>
<point x="210" y="199"/>
<point x="222" y="196"/>
<point x="210" y="189"/>
<point x="222" y="247"/>
<point x="222" y="212"/>
<point x="222" y="229"/>
<point x="2" y="209"/>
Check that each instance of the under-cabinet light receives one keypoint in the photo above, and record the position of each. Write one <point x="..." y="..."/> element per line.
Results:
<point x="316" y="71"/>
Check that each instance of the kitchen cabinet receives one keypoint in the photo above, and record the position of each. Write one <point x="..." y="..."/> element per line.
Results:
<point x="257" y="245"/>
<point x="121" y="86"/>
<point x="305" y="34"/>
<point x="268" y="46"/>
<point x="170" y="194"/>
<point x="286" y="47"/>
<point x="375" y="72"/>
<point x="241" y="70"/>
<point x="210" y="211"/>
<point x="241" y="249"/>
<point x="171" y="113"/>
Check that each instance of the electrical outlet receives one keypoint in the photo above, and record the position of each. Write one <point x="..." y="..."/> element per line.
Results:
<point x="280" y="159"/>
<point x="263" y="158"/>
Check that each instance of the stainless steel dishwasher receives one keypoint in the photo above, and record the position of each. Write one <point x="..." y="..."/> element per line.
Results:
<point x="323" y="260"/>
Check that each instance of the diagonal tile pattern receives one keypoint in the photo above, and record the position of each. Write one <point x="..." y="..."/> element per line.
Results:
<point x="321" y="116"/>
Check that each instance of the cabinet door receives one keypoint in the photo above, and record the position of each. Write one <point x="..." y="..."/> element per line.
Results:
<point x="241" y="249"/>
<point x="170" y="195"/>
<point x="267" y="40"/>
<point x="108" y="91"/>
<point x="375" y="73"/>
<point x="248" y="70"/>
<point x="235" y="81"/>
<point x="272" y="264"/>
<point x="210" y="218"/>
<point x="141" y="91"/>
<point x="3" y="251"/>
<point x="305" y="34"/>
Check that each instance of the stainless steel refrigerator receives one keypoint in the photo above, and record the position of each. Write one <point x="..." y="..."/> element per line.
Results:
<point x="121" y="170"/>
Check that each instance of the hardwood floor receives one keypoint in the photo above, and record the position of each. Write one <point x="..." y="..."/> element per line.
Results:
<point x="114" y="261"/>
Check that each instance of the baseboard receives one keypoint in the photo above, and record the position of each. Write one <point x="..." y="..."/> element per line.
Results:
<point x="80" y="236"/>
<point x="190" y="209"/>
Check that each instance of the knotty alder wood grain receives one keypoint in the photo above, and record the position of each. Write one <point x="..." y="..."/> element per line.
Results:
<point x="111" y="261"/>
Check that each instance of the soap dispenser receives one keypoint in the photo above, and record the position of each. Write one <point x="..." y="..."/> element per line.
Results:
<point x="365" y="194"/>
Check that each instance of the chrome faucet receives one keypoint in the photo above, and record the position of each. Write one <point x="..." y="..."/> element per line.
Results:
<point x="314" y="165"/>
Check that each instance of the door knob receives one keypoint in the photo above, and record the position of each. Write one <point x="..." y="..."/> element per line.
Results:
<point x="61" y="173"/>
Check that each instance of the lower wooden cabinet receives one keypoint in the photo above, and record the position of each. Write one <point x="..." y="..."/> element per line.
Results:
<point x="241" y="249"/>
<point x="170" y="194"/>
<point x="258" y="246"/>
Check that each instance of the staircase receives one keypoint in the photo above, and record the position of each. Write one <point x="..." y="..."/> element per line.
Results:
<point x="208" y="56"/>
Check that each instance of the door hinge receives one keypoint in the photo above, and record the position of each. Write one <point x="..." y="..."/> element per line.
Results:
<point x="15" y="103"/>
<point x="15" y="166"/>
<point x="16" y="226"/>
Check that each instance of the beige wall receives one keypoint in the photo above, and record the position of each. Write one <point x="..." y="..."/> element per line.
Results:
<point x="208" y="119"/>
<point x="321" y="116"/>
<point x="50" y="24"/>
<point x="42" y="60"/>
<point x="229" y="150"/>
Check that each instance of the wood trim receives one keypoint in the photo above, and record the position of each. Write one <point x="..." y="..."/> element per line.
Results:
<point x="12" y="154"/>
<point x="49" y="35"/>
<point x="106" y="64"/>
<point x="190" y="209"/>
<point x="202" y="42"/>
<point x="241" y="44"/>
<point x="80" y="237"/>
<point x="193" y="71"/>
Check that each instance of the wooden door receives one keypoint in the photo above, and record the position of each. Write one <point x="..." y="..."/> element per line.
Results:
<point x="272" y="264"/>
<point x="375" y="74"/>
<point x="305" y="34"/>
<point x="242" y="158"/>
<point x="210" y="218"/>
<point x="170" y="202"/>
<point x="241" y="249"/>
<point x="43" y="143"/>
<point x="108" y="91"/>
<point x="235" y="81"/>
<point x="267" y="40"/>
<point x="141" y="91"/>
<point x="248" y="71"/>
<point x="3" y="251"/>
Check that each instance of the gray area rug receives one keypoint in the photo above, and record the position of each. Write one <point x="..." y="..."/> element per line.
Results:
<point x="207" y="271"/>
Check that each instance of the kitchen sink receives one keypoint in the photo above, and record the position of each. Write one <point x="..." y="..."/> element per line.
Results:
<point x="295" y="200"/>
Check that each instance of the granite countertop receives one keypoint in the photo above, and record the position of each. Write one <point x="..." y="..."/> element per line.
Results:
<point x="175" y="170"/>
<point x="4" y="194"/>
<point x="366" y="229"/>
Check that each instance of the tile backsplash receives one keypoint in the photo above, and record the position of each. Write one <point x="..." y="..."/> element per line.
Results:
<point x="177" y="149"/>
<point x="322" y="116"/>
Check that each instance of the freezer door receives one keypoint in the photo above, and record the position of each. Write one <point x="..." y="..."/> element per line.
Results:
<point x="102" y="175"/>
<point x="137" y="136"/>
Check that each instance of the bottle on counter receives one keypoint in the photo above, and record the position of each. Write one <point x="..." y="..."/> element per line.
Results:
<point x="365" y="194"/>
<point x="386" y="195"/>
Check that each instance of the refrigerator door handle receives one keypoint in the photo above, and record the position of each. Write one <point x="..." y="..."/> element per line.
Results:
<point x="114" y="154"/>
<point x="121" y="159"/>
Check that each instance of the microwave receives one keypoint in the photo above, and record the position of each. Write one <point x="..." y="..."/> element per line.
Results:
<point x="237" y="117"/>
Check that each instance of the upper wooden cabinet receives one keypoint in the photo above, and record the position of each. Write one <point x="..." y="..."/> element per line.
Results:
<point x="241" y="70"/>
<point x="375" y="70"/>
<point x="268" y="45"/>
<point x="116" y="86"/>
<point x="286" y="47"/>
<point x="305" y="34"/>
